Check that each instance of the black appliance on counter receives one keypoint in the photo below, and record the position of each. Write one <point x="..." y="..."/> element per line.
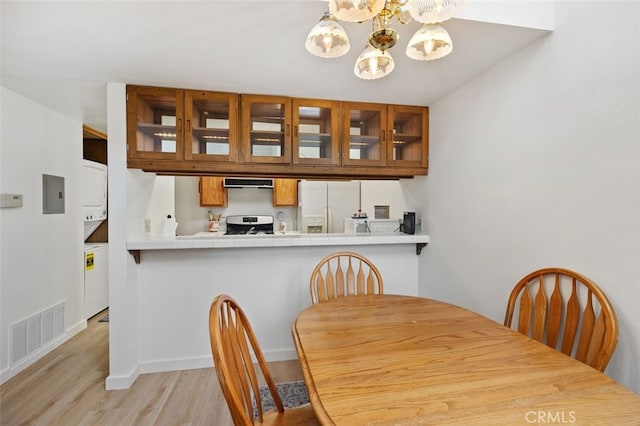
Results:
<point x="409" y="223"/>
<point x="249" y="225"/>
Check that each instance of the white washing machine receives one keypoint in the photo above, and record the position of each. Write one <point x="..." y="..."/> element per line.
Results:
<point x="96" y="278"/>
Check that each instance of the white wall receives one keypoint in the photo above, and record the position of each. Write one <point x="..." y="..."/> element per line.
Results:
<point x="383" y="192"/>
<point x="42" y="255"/>
<point x="271" y="284"/>
<point x="537" y="163"/>
<point x="127" y="210"/>
<point x="152" y="198"/>
<point x="133" y="197"/>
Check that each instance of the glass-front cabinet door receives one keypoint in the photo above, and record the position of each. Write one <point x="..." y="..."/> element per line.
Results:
<point x="154" y="122"/>
<point x="316" y="131"/>
<point x="408" y="136"/>
<point x="364" y="134"/>
<point x="211" y="126"/>
<point x="266" y="129"/>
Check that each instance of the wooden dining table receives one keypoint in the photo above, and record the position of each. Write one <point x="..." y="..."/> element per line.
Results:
<point x="402" y="360"/>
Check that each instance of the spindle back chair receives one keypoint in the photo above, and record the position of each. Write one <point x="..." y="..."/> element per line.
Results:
<point x="344" y="274"/>
<point x="576" y="319"/>
<point x="232" y="342"/>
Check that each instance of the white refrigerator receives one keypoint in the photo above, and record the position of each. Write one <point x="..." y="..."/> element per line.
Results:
<point x="324" y="205"/>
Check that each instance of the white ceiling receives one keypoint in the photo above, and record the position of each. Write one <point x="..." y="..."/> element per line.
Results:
<point x="61" y="54"/>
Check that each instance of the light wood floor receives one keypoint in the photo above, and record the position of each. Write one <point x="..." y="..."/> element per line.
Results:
<point x="67" y="387"/>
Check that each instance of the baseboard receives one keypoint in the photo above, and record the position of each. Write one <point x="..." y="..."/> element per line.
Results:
<point x="205" y="362"/>
<point x="122" y="382"/>
<point x="175" y="364"/>
<point x="12" y="371"/>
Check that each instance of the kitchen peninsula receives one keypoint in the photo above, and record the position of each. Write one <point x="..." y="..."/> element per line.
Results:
<point x="177" y="278"/>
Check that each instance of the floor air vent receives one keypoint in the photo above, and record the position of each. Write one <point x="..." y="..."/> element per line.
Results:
<point x="32" y="333"/>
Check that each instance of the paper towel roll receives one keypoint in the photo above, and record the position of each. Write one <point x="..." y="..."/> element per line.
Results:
<point x="169" y="226"/>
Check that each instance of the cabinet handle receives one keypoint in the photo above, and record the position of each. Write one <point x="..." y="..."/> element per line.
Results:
<point x="383" y="134"/>
<point x="391" y="136"/>
<point x="179" y="124"/>
<point x="188" y="125"/>
<point x="295" y="131"/>
<point x="288" y="131"/>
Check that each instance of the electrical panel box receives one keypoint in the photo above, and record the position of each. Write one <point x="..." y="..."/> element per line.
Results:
<point x="52" y="194"/>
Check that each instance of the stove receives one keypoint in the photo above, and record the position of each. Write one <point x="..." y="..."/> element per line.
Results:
<point x="249" y="225"/>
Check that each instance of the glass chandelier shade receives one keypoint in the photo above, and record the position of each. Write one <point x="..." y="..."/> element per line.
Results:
<point x="355" y="10"/>
<point x="373" y="64"/>
<point x="327" y="39"/>
<point x="434" y="11"/>
<point x="430" y="42"/>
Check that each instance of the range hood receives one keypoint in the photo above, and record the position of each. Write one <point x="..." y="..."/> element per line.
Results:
<point x="248" y="183"/>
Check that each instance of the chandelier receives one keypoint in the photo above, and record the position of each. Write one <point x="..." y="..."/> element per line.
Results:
<point x="328" y="39"/>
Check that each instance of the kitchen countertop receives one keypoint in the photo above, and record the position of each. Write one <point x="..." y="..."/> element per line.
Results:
<point x="206" y="240"/>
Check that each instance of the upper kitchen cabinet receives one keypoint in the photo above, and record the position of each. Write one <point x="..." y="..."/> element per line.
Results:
<point x="364" y="134"/>
<point x="211" y="126"/>
<point x="393" y="136"/>
<point x="265" y="129"/>
<point x="154" y="123"/>
<point x="212" y="191"/>
<point x="203" y="133"/>
<point x="177" y="124"/>
<point x="316" y="132"/>
<point x="282" y="130"/>
<point x="408" y="136"/>
<point x="285" y="192"/>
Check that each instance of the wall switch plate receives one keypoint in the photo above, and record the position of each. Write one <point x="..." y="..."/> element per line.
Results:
<point x="10" y="200"/>
<point x="147" y="226"/>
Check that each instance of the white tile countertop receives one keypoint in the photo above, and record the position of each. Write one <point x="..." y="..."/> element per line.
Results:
<point x="207" y="240"/>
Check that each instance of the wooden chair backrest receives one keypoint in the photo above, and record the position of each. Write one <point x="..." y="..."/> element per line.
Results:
<point x="586" y="329"/>
<point x="344" y="274"/>
<point x="232" y="340"/>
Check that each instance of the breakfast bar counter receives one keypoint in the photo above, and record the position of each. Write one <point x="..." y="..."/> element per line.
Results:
<point x="208" y="240"/>
<point x="214" y="240"/>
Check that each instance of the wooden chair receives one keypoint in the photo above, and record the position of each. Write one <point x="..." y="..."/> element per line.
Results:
<point x="232" y="339"/>
<point x="329" y="280"/>
<point x="590" y="323"/>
